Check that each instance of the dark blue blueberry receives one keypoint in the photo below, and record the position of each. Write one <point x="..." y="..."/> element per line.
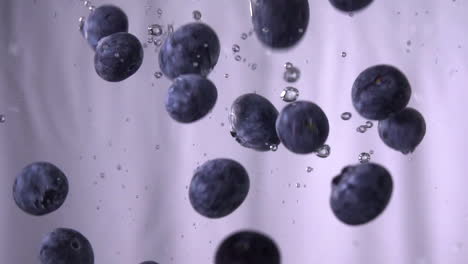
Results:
<point x="252" y="121"/>
<point x="118" y="57"/>
<point x="380" y="91"/>
<point x="104" y="21"/>
<point x="360" y="193"/>
<point x="403" y="131"/>
<point x="190" y="98"/>
<point x="66" y="246"/>
<point x="280" y="23"/>
<point x="40" y="188"/>
<point x="218" y="187"/>
<point x="350" y="5"/>
<point x="193" y="48"/>
<point x="302" y="127"/>
<point x="247" y="247"/>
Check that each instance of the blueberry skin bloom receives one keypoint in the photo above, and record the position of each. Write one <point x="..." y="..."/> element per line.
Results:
<point x="118" y="57"/>
<point x="360" y="193"/>
<point x="403" y="131"/>
<point x="192" y="48"/>
<point x="190" y="98"/>
<point x="280" y="24"/>
<point x="66" y="246"/>
<point x="302" y="127"/>
<point x="104" y="21"/>
<point x="247" y="247"/>
<point x="253" y="120"/>
<point x="218" y="188"/>
<point x="40" y="188"/>
<point x="350" y="5"/>
<point x="379" y="91"/>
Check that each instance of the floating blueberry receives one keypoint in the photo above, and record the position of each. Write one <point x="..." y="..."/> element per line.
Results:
<point x="190" y="98"/>
<point x="104" y="21"/>
<point x="380" y="91"/>
<point x="252" y="121"/>
<point x="360" y="193"/>
<point x="302" y="127"/>
<point x="218" y="187"/>
<point x="279" y="23"/>
<point x="118" y="57"/>
<point x="247" y="247"/>
<point x="403" y="131"/>
<point x="193" y="48"/>
<point x="350" y="5"/>
<point x="40" y="188"/>
<point x="66" y="246"/>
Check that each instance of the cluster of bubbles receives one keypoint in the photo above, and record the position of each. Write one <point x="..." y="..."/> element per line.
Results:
<point x="363" y="128"/>
<point x="291" y="74"/>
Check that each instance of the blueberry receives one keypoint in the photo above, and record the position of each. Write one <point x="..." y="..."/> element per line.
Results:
<point x="380" y="91"/>
<point x="302" y="127"/>
<point x="252" y="121"/>
<point x="403" y="131"/>
<point x="280" y="24"/>
<point x="247" y="247"/>
<point x="40" y="188"/>
<point x="118" y="57"/>
<point x="218" y="187"/>
<point x="104" y="21"/>
<point x="350" y="5"/>
<point x="192" y="48"/>
<point x="66" y="246"/>
<point x="190" y="98"/>
<point x="360" y="193"/>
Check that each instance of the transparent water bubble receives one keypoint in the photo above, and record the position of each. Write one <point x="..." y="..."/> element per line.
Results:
<point x="158" y="75"/>
<point x="371" y="152"/>
<point x="155" y="30"/>
<point x="226" y="75"/>
<point x="244" y="36"/>
<point x="309" y="169"/>
<point x="291" y="74"/>
<point x="298" y="185"/>
<point x="289" y="94"/>
<point x="273" y="147"/>
<point x="159" y="11"/>
<point x="238" y="58"/>
<point x="364" y="157"/>
<point x="361" y="129"/>
<point x="323" y="151"/>
<point x="343" y="54"/>
<point x="2" y="118"/>
<point x="346" y="116"/>
<point x="235" y="48"/>
<point x="253" y="66"/>
<point x="288" y="65"/>
<point x="158" y="42"/>
<point x="196" y="15"/>
<point x="369" y="124"/>
<point x="150" y="40"/>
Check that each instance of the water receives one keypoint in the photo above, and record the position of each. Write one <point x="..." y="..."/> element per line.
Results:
<point x="289" y="94"/>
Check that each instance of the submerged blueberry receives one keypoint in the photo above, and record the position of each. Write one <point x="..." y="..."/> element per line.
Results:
<point x="66" y="246"/>
<point x="350" y="5"/>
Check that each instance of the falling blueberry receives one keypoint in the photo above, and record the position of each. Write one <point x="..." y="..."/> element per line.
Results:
<point x="218" y="188"/>
<point x="66" y="246"/>
<point x="253" y="120"/>
<point x="190" y="98"/>
<point x="118" y="57"/>
<point x="380" y="91"/>
<point x="403" y="131"/>
<point x="193" y="48"/>
<point x="104" y="21"/>
<point x="247" y="247"/>
<point x="302" y="127"/>
<point x="40" y="188"/>
<point x="278" y="23"/>
<point x="360" y="193"/>
<point x="350" y="5"/>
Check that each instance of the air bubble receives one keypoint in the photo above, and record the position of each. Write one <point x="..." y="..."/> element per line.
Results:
<point x="158" y="75"/>
<point x="195" y="64"/>
<point x="361" y="129"/>
<point x="265" y="30"/>
<point x="369" y="124"/>
<point x="273" y="147"/>
<point x="244" y="36"/>
<point x="226" y="75"/>
<point x="288" y="65"/>
<point x="364" y="157"/>
<point x="298" y="185"/>
<point x="343" y="54"/>
<point x="155" y="30"/>
<point x="309" y="169"/>
<point x="323" y="151"/>
<point x="159" y="11"/>
<point x="253" y="67"/>
<point x="291" y="74"/>
<point x="2" y="118"/>
<point x="235" y="48"/>
<point x="289" y="94"/>
<point x="196" y="15"/>
<point x="238" y="58"/>
<point x="346" y="116"/>
<point x="81" y="21"/>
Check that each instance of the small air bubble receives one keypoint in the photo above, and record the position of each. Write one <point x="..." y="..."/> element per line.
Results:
<point x="265" y="30"/>
<point x="369" y="124"/>
<point x="195" y="64"/>
<point x="298" y="185"/>
<point x="158" y="75"/>
<point x="364" y="157"/>
<point x="197" y="15"/>
<point x="323" y="151"/>
<point x="254" y="66"/>
<point x="226" y="75"/>
<point x="343" y="54"/>
<point x="81" y="21"/>
<point x="288" y="65"/>
<point x="289" y="94"/>
<point x="235" y="48"/>
<point x="273" y="147"/>
<point x="309" y="169"/>
<point x="361" y="129"/>
<point x="244" y="36"/>
<point x="2" y="118"/>
<point x="346" y="116"/>
<point x="159" y="11"/>
<point x="291" y="74"/>
<point x="238" y="58"/>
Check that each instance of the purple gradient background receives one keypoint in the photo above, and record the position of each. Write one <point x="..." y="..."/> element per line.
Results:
<point x="59" y="110"/>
